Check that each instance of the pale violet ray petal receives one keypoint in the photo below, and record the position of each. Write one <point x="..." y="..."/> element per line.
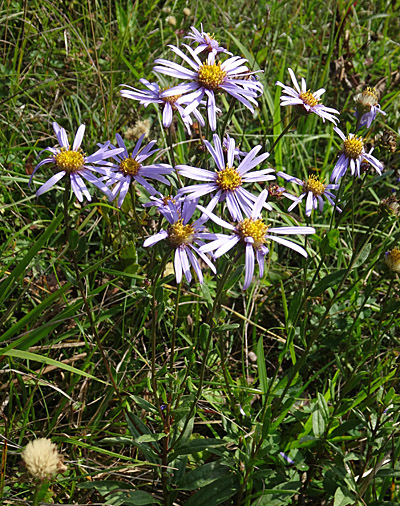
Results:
<point x="195" y="264"/>
<point x="289" y="244"/>
<point x="249" y="266"/>
<point x="78" y="138"/>
<point x="178" y="265"/>
<point x="50" y="182"/>
<point x="229" y="244"/>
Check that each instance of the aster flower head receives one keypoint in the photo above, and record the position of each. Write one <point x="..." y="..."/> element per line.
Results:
<point x="208" y="78"/>
<point x="184" y="238"/>
<point x="254" y="234"/>
<point x="72" y="161"/>
<point x="166" y="205"/>
<point x="306" y="101"/>
<point x="205" y="41"/>
<point x="367" y="107"/>
<point x="130" y="168"/>
<point x="353" y="154"/>
<point x="313" y="189"/>
<point x="392" y="259"/>
<point x="225" y="146"/>
<point x="226" y="183"/>
<point x="42" y="459"/>
<point x="169" y="104"/>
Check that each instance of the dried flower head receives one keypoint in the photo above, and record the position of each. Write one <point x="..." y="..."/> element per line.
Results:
<point x="42" y="459"/>
<point x="386" y="141"/>
<point x="390" y="206"/>
<point x="392" y="259"/>
<point x="141" y="127"/>
<point x="367" y="106"/>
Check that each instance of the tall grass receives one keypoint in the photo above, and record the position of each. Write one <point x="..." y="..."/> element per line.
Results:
<point x="168" y="393"/>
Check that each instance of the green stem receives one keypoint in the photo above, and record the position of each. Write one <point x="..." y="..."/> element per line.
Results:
<point x="153" y="331"/>
<point x="171" y="150"/>
<point x="284" y="131"/>
<point x="133" y="200"/>
<point x="221" y="283"/>
<point x="176" y="313"/>
<point x="228" y="117"/>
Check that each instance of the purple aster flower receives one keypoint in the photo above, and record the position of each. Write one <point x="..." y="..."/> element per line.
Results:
<point x="227" y="182"/>
<point x="306" y="100"/>
<point x="207" y="79"/>
<point x="184" y="238"/>
<point x="313" y="189"/>
<point x="253" y="234"/>
<point x="163" y="205"/>
<point x="130" y="168"/>
<point x="353" y="154"/>
<point x="73" y="162"/>
<point x="169" y="104"/>
<point x="206" y="42"/>
<point x="367" y="107"/>
<point x="225" y="145"/>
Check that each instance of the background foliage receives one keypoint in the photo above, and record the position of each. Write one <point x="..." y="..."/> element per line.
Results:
<point x="300" y="401"/>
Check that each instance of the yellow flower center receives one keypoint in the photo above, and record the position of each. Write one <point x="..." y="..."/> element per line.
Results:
<point x="314" y="185"/>
<point x="68" y="160"/>
<point x="229" y="179"/>
<point x="392" y="259"/>
<point x="353" y="147"/>
<point x="211" y="76"/>
<point x="253" y="228"/>
<point x="308" y="98"/>
<point x="170" y="100"/>
<point x="167" y="199"/>
<point x="180" y="234"/>
<point x="129" y="166"/>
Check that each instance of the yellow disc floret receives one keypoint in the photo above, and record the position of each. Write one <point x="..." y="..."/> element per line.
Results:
<point x="392" y="259"/>
<point x="256" y="229"/>
<point x="171" y="100"/>
<point x="353" y="147"/>
<point x="179" y="234"/>
<point x="129" y="166"/>
<point x="211" y="76"/>
<point x="308" y="98"/>
<point x="229" y="179"/>
<point x="68" y="160"/>
<point x="314" y="185"/>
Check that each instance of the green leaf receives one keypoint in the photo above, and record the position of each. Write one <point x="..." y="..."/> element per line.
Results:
<point x="202" y="476"/>
<point x="262" y="370"/>
<point x="343" y="496"/>
<point x="362" y="255"/>
<point x="150" y="438"/>
<point x="216" y="492"/>
<point x="323" y="407"/>
<point x="20" y="269"/>
<point x="328" y="281"/>
<point x="27" y="355"/>
<point x="318" y="423"/>
<point x="198" y="445"/>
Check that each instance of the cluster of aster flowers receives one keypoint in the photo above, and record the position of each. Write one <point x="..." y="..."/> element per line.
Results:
<point x="229" y="185"/>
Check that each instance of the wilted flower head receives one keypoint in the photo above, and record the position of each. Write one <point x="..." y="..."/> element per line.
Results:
<point x="392" y="259"/>
<point x="141" y="127"/>
<point x="387" y="141"/>
<point x="42" y="459"/>
<point x="353" y="153"/>
<point x="306" y="101"/>
<point x="367" y="107"/>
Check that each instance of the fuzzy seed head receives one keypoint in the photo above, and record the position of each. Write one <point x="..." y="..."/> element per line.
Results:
<point x="42" y="459"/>
<point x="211" y="76"/>
<point x="392" y="259"/>
<point x="229" y="179"/>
